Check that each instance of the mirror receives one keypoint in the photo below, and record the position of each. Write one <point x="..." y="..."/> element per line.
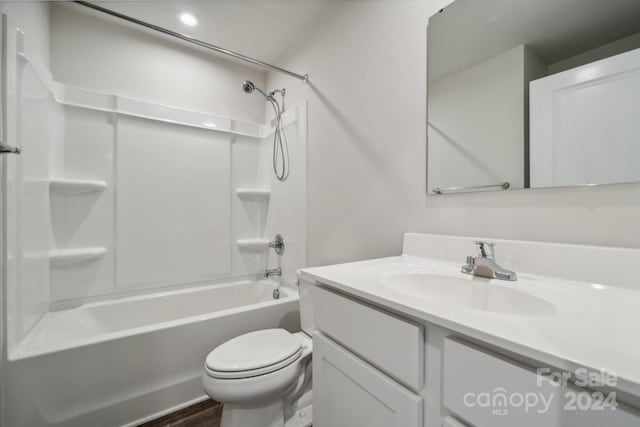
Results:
<point x="533" y="93"/>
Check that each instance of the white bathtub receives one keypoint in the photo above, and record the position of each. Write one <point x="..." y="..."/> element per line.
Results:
<point x="122" y="362"/>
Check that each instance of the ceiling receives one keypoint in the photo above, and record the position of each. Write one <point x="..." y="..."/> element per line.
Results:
<point x="262" y="29"/>
<point x="467" y="32"/>
<point x="470" y="31"/>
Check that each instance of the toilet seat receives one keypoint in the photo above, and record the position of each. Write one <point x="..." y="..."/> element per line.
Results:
<point x="253" y="354"/>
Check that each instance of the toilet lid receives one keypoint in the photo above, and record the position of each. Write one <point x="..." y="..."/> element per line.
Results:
<point x="254" y="352"/>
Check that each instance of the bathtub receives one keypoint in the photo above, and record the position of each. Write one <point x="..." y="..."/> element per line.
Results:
<point x="126" y="361"/>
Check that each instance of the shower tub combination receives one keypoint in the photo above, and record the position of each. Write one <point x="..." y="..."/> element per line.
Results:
<point x="129" y="360"/>
<point x="79" y="232"/>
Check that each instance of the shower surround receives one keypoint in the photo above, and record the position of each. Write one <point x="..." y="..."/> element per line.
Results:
<point x="120" y="206"/>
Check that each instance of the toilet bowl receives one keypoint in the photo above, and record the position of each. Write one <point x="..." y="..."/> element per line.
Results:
<point x="263" y="378"/>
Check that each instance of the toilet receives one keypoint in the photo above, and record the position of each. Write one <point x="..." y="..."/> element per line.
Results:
<point x="263" y="378"/>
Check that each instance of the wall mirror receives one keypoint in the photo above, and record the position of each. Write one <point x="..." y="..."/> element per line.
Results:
<point x="533" y="93"/>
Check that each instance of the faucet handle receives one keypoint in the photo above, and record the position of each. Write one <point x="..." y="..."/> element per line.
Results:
<point x="482" y="249"/>
<point x="278" y="244"/>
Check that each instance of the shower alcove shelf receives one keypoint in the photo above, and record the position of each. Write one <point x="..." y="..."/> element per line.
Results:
<point x="76" y="186"/>
<point x="254" y="194"/>
<point x="253" y="245"/>
<point x="67" y="257"/>
<point x="59" y="258"/>
<point x="262" y="195"/>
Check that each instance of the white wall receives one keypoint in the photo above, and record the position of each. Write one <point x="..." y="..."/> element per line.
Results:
<point x="102" y="55"/>
<point x="287" y="204"/>
<point x="31" y="17"/>
<point x="367" y="133"/>
<point x="168" y="216"/>
<point x="80" y="143"/>
<point x="111" y="57"/>
<point x="27" y="232"/>
<point x="465" y="109"/>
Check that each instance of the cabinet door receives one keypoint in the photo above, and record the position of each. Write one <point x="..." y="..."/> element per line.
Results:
<point x="489" y="390"/>
<point x="348" y="392"/>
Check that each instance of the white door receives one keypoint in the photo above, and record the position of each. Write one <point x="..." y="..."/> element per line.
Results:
<point x="348" y="392"/>
<point x="584" y="124"/>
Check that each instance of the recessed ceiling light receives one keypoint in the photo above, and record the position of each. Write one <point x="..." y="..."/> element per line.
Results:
<point x="189" y="19"/>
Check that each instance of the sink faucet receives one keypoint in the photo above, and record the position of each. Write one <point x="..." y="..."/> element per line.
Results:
<point x="273" y="272"/>
<point x="484" y="265"/>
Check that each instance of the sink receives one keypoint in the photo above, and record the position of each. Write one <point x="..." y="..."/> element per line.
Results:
<point x="468" y="292"/>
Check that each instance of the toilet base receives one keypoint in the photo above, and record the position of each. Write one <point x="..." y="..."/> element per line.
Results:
<point x="267" y="414"/>
<point x="255" y="414"/>
<point x="303" y="416"/>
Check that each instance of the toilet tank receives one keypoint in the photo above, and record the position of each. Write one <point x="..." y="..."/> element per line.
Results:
<point x="305" y="291"/>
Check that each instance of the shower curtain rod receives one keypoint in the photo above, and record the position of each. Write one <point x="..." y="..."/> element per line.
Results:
<point x="304" y="78"/>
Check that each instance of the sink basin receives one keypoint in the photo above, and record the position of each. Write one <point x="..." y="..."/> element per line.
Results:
<point x="468" y="292"/>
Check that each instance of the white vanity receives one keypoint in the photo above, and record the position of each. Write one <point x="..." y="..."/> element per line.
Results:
<point x="411" y="341"/>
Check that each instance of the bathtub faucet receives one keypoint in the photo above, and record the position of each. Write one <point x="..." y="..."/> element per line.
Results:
<point x="273" y="272"/>
<point x="277" y="244"/>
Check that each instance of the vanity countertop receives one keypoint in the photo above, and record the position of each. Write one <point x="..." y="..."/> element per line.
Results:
<point x="563" y="323"/>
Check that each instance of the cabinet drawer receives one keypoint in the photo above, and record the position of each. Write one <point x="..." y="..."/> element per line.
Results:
<point x="348" y="392"/>
<point x="489" y="390"/>
<point x="393" y="345"/>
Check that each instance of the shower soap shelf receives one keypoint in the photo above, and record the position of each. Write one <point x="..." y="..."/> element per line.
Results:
<point x="76" y="186"/>
<point x="65" y="257"/>
<point x="253" y="245"/>
<point x="254" y="194"/>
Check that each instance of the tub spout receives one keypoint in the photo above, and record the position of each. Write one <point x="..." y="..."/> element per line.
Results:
<point x="273" y="272"/>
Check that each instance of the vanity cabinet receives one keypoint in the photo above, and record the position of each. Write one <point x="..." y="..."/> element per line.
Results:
<point x="349" y="392"/>
<point x="373" y="368"/>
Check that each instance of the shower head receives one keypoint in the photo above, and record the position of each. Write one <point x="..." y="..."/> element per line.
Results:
<point x="280" y="149"/>
<point x="249" y="87"/>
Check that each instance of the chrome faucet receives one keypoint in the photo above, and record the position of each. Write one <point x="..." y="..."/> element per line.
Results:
<point x="277" y="244"/>
<point x="484" y="265"/>
<point x="273" y="272"/>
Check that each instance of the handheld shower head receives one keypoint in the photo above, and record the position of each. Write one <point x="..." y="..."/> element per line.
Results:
<point x="280" y="149"/>
<point x="248" y="86"/>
